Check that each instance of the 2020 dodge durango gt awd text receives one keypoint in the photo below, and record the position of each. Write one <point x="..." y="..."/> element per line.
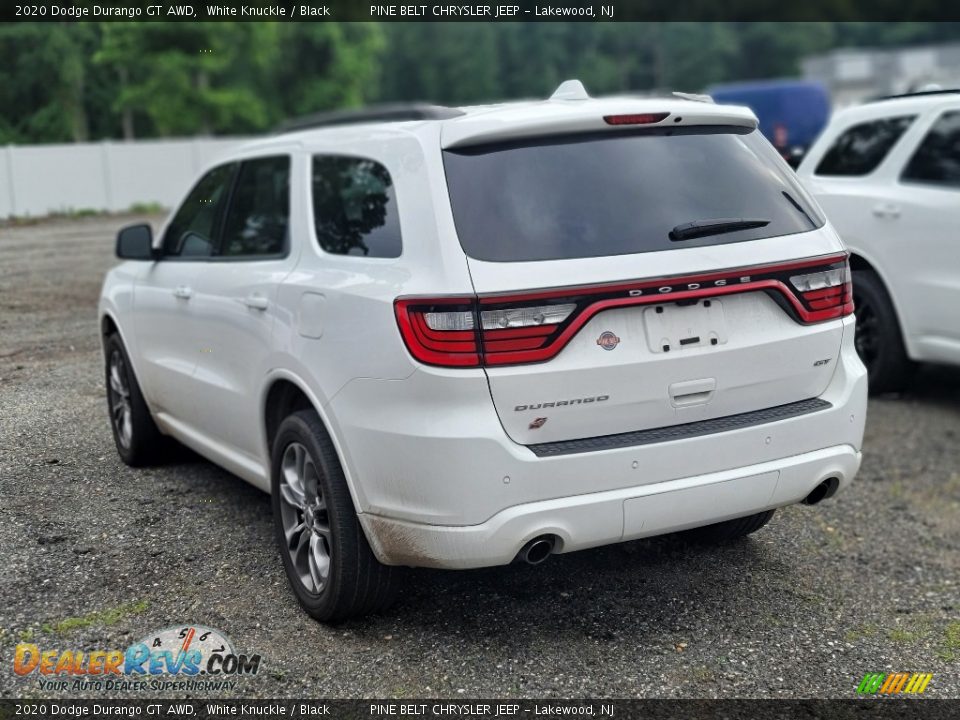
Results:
<point x="466" y="336"/>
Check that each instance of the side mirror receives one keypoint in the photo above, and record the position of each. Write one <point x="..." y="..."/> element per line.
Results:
<point x="136" y="243"/>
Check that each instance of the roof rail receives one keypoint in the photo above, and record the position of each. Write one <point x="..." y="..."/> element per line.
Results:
<point x="919" y="93"/>
<point x="391" y="112"/>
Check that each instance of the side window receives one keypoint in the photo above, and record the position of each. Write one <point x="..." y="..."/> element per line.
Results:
<point x="937" y="160"/>
<point x="354" y="207"/>
<point x="861" y="148"/>
<point x="193" y="231"/>
<point x="256" y="222"/>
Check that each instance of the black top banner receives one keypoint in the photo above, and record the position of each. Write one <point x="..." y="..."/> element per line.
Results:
<point x="505" y="11"/>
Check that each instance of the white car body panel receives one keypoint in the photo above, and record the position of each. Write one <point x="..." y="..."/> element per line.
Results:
<point x="476" y="472"/>
<point x="763" y="362"/>
<point x="907" y="231"/>
<point x="769" y="362"/>
<point x="437" y="476"/>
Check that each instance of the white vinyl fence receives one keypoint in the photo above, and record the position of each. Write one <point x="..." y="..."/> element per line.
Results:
<point x="43" y="179"/>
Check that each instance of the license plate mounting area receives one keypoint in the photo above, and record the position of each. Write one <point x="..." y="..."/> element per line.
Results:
<point x="679" y="327"/>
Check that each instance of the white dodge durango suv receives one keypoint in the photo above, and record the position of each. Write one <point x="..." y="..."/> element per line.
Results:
<point x="888" y="175"/>
<point x="457" y="338"/>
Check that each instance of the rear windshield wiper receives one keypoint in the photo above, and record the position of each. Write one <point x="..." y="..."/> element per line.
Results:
<point x="714" y="226"/>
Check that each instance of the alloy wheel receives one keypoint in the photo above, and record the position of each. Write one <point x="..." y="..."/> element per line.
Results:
<point x="121" y="412"/>
<point x="306" y="520"/>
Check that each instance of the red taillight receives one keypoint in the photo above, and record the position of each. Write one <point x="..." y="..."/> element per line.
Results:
<point x="828" y="292"/>
<point x="440" y="331"/>
<point x="635" y="119"/>
<point x="459" y="332"/>
<point x="523" y="329"/>
<point x="534" y="327"/>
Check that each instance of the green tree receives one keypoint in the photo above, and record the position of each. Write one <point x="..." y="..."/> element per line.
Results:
<point x="43" y="81"/>
<point x="320" y="66"/>
<point x="182" y="77"/>
<point x="451" y="63"/>
<point x="771" y="49"/>
<point x="64" y="82"/>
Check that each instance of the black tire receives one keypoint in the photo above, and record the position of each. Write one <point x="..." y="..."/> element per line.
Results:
<point x="356" y="583"/>
<point x="878" y="337"/>
<point x="139" y="443"/>
<point x="728" y="530"/>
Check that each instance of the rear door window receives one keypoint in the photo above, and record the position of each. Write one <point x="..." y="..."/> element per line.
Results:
<point x="860" y="149"/>
<point x="937" y="159"/>
<point x="256" y="224"/>
<point x="621" y="193"/>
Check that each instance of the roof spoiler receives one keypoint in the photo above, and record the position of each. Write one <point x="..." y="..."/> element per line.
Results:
<point x="594" y="116"/>
<point x="392" y="112"/>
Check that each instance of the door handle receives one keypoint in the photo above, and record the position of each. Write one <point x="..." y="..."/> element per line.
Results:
<point x="256" y="302"/>
<point x="886" y="210"/>
<point x="183" y="292"/>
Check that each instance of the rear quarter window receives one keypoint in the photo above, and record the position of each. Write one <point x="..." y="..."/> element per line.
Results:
<point x="860" y="149"/>
<point x="355" y="207"/>
<point x="619" y="193"/>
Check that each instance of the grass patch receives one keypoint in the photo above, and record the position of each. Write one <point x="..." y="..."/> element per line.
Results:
<point x="140" y="208"/>
<point x="62" y="214"/>
<point x="951" y="643"/>
<point x="110" y="616"/>
<point x="83" y="212"/>
<point x="859" y="633"/>
<point x="900" y="635"/>
<point x="146" y="208"/>
<point x="909" y="633"/>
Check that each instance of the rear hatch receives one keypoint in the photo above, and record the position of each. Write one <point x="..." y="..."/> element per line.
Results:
<point x="642" y="277"/>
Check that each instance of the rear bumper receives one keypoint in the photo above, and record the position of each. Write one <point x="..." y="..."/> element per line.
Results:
<point x="438" y="483"/>
<point x="585" y="521"/>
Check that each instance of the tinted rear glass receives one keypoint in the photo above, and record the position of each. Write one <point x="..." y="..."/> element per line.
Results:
<point x="617" y="194"/>
<point x="355" y="207"/>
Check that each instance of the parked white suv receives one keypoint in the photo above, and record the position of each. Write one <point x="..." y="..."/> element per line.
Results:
<point x="493" y="333"/>
<point x="888" y="176"/>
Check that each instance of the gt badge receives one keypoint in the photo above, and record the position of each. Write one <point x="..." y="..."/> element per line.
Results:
<point x="607" y="340"/>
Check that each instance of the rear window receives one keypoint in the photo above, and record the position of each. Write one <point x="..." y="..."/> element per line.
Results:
<point x="617" y="194"/>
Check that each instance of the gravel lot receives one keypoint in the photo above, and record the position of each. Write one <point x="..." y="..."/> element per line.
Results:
<point x="96" y="555"/>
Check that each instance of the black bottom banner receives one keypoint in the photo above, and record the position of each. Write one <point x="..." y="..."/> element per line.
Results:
<point x="880" y="708"/>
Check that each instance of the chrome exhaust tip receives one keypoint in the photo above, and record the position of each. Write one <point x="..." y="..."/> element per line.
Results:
<point x="821" y="492"/>
<point x="537" y="550"/>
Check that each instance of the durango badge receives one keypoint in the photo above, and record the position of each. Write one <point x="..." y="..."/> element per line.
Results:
<point x="607" y="340"/>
